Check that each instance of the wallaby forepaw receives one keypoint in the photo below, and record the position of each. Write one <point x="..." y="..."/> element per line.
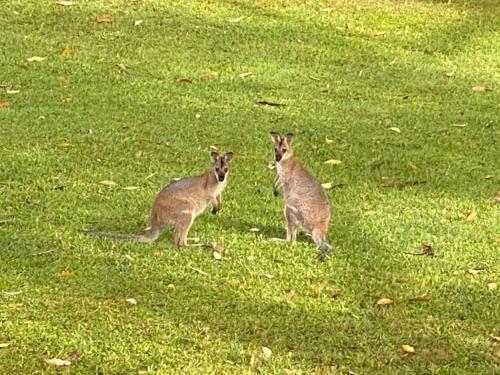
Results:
<point x="214" y="211"/>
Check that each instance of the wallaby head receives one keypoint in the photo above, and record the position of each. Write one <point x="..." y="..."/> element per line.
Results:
<point x="220" y="165"/>
<point x="283" y="146"/>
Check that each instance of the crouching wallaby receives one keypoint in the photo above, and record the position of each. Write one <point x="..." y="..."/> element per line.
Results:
<point x="306" y="202"/>
<point x="180" y="202"/>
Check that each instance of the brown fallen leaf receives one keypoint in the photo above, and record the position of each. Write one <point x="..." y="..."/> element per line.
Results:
<point x="271" y="104"/>
<point x="470" y="216"/>
<point x="36" y="59"/>
<point x="4" y="104"/>
<point x="492" y="286"/>
<point x="384" y="301"/>
<point x="184" y="81"/>
<point x="66" y="274"/>
<point x="66" y="3"/>
<point x="479" y="88"/>
<point x="66" y="52"/>
<point x="104" y="19"/>
<point x="336" y="295"/>
<point x="333" y="162"/>
<point x="396" y="130"/>
<point x="170" y="288"/>
<point x="108" y="183"/>
<point x="408" y="348"/>
<point x="57" y="362"/>
<point x="76" y="356"/>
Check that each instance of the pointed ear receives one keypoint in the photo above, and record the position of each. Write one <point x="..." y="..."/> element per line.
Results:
<point x="275" y="137"/>
<point x="214" y="155"/>
<point x="289" y="138"/>
<point x="228" y="156"/>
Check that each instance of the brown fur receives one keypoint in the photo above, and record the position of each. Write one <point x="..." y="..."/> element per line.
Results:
<point x="180" y="202"/>
<point x="306" y="202"/>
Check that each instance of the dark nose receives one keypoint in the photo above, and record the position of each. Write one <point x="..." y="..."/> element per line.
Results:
<point x="221" y="177"/>
<point x="278" y="157"/>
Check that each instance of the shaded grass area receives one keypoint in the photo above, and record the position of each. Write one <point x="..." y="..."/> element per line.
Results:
<point x="107" y="104"/>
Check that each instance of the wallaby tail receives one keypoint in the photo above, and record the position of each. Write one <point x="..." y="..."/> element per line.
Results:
<point x="148" y="237"/>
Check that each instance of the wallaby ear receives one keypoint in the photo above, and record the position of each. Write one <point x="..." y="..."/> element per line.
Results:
<point x="214" y="155"/>
<point x="289" y="138"/>
<point x="228" y="156"/>
<point x="275" y="137"/>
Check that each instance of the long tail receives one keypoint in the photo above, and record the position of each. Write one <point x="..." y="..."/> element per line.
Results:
<point x="148" y="237"/>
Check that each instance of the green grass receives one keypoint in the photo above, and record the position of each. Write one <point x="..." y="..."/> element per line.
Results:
<point x="348" y="73"/>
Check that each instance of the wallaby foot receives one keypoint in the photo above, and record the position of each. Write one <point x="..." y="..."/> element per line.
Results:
<point x="326" y="248"/>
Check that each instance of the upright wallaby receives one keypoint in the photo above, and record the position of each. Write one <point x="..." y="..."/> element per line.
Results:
<point x="306" y="202"/>
<point x="180" y="202"/>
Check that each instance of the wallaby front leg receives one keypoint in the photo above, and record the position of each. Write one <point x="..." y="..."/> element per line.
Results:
<point x="276" y="185"/>
<point x="217" y="204"/>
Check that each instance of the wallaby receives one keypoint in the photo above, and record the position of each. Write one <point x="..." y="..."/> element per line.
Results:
<point x="181" y="201"/>
<point x="306" y="202"/>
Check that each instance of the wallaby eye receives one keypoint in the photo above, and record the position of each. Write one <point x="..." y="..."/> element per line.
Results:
<point x="284" y="150"/>
<point x="225" y="169"/>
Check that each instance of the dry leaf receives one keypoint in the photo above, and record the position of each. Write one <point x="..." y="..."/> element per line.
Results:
<point x="266" y="353"/>
<point x="138" y="154"/>
<point x="333" y="162"/>
<point x="408" y="348"/>
<point x="238" y="19"/>
<point x="122" y="67"/>
<point x="104" y="19"/>
<point x="137" y="22"/>
<point x="66" y="274"/>
<point x="4" y="104"/>
<point x="217" y="255"/>
<point x="131" y="301"/>
<point x="496" y="338"/>
<point x="336" y="295"/>
<point x="76" y="356"/>
<point x="474" y="272"/>
<point x="245" y="74"/>
<point x="496" y="198"/>
<point x="271" y="165"/>
<point x="449" y="74"/>
<point x="67" y="51"/>
<point x="459" y="125"/>
<point x="471" y="216"/>
<point x="170" y="288"/>
<point x="397" y="130"/>
<point x="4" y="344"/>
<point x="478" y="88"/>
<point x="63" y="145"/>
<point x="384" y="301"/>
<point x="185" y="81"/>
<point x="128" y="188"/>
<point x="11" y="92"/>
<point x="36" y="59"/>
<point x="492" y="286"/>
<point x="327" y="185"/>
<point x="57" y="362"/>
<point x="254" y="230"/>
<point x="328" y="141"/>
<point x="108" y="183"/>
<point x="66" y="3"/>
<point x="326" y="10"/>
<point x="271" y="104"/>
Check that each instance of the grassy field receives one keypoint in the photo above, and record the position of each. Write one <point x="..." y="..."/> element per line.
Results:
<point x="141" y="99"/>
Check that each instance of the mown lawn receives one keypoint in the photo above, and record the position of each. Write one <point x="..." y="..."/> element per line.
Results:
<point x="141" y="99"/>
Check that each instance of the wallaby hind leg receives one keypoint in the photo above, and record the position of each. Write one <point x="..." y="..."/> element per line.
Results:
<point x="319" y="239"/>
<point x="292" y="223"/>
<point x="182" y="229"/>
<point x="151" y="235"/>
